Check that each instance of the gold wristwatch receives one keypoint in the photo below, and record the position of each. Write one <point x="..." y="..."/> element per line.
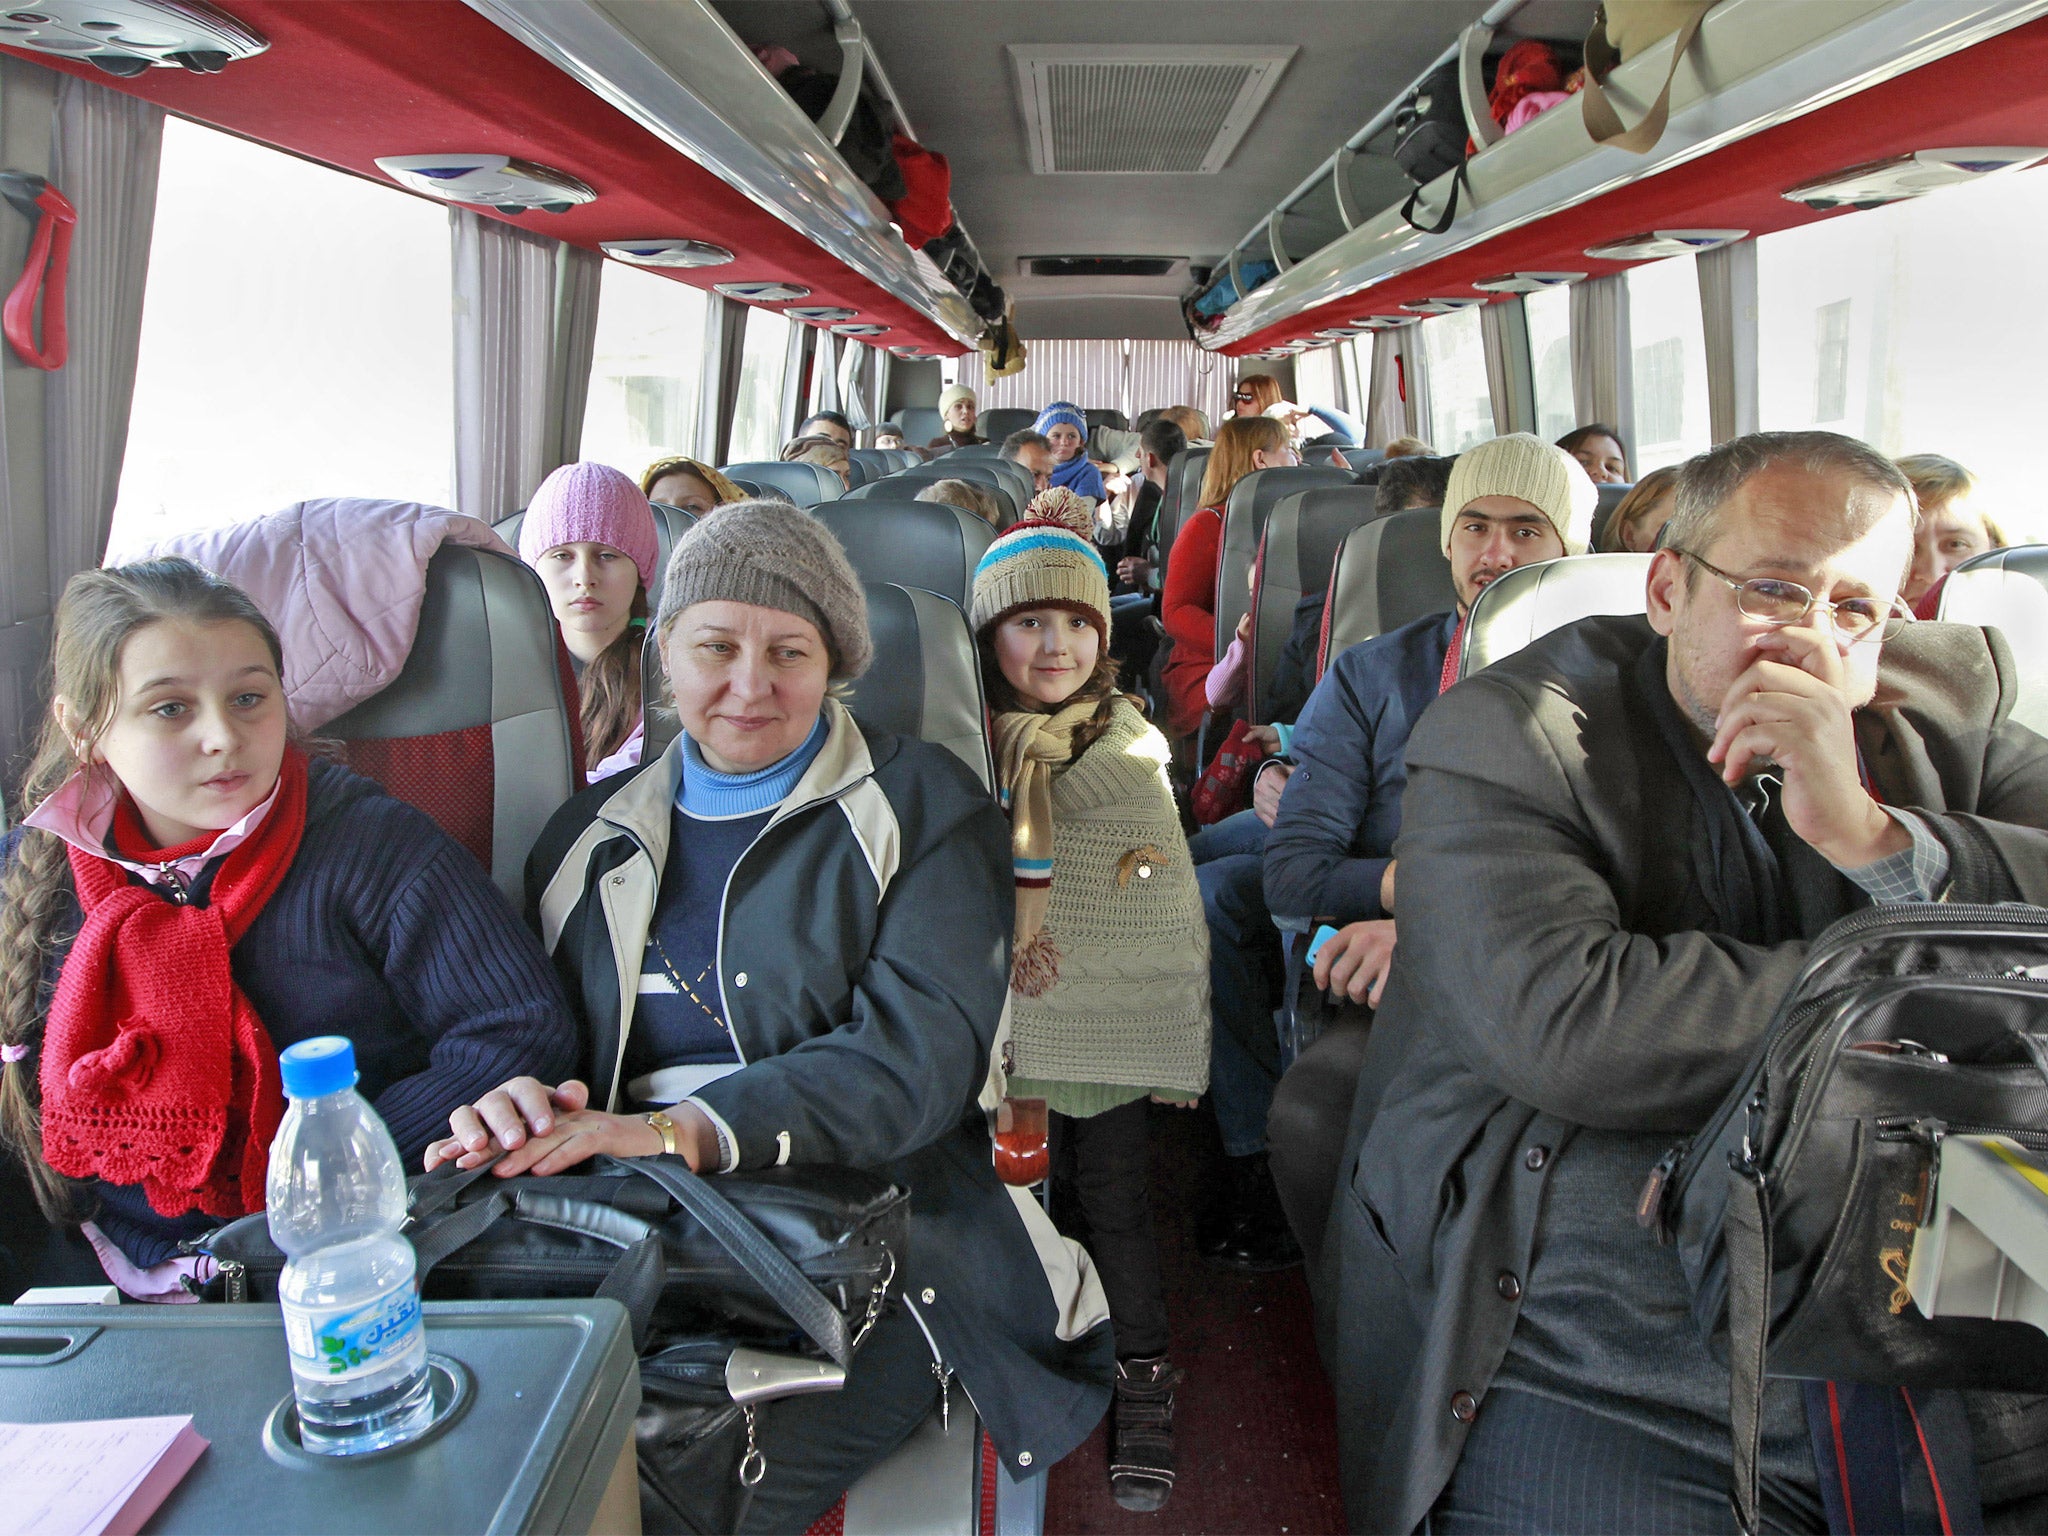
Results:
<point x="665" y="1127"/>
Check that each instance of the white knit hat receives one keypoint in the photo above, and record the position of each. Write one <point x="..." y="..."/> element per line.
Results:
<point x="951" y="393"/>
<point x="1523" y="466"/>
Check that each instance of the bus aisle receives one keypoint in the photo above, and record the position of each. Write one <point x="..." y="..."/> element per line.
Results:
<point x="1255" y="1424"/>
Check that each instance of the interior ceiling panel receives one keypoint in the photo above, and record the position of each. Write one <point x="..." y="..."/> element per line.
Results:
<point x="345" y="81"/>
<point x="950" y="64"/>
<point x="1993" y="93"/>
<point x="1141" y="110"/>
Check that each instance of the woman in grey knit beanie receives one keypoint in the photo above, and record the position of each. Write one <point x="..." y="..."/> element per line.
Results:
<point x="786" y="940"/>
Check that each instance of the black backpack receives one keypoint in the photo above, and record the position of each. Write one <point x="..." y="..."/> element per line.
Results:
<point x="1795" y="1209"/>
<point x="1429" y="139"/>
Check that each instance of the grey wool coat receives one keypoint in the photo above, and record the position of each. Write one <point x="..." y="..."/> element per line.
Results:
<point x="1556" y="971"/>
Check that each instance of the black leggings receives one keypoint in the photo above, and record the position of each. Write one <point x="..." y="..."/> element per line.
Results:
<point x="1106" y="1163"/>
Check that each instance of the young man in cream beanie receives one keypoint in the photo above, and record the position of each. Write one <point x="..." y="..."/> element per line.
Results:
<point x="1512" y="501"/>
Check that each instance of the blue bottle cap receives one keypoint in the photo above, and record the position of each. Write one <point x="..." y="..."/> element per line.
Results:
<point x="323" y="1065"/>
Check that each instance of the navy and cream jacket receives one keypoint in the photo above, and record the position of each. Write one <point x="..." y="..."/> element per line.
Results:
<point x="863" y="964"/>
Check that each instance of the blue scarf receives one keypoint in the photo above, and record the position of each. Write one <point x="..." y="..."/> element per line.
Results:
<point x="713" y="796"/>
<point x="1076" y="474"/>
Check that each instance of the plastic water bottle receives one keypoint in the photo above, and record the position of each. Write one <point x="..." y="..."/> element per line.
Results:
<point x="336" y="1199"/>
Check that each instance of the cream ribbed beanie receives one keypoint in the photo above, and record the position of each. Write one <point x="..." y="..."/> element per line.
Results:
<point x="1520" y="465"/>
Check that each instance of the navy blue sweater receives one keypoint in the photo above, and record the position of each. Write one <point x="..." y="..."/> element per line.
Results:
<point x="1341" y="809"/>
<point x="387" y="931"/>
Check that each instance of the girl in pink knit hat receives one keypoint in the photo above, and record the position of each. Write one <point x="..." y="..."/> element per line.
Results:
<point x="590" y="534"/>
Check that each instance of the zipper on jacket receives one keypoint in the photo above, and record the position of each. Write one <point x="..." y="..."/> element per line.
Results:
<point x="1650" y="1203"/>
<point x="941" y="1371"/>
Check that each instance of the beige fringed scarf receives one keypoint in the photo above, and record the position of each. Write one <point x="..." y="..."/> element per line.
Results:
<point x="1030" y="748"/>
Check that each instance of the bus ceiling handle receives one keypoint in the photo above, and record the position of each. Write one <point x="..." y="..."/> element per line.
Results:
<point x="49" y="261"/>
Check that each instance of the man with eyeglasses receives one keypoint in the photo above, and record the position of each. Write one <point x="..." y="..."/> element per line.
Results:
<point x="1616" y="846"/>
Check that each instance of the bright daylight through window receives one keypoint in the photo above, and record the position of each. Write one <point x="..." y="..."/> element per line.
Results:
<point x="1460" y="408"/>
<point x="1550" y="356"/>
<point x="764" y="356"/>
<point x="273" y="369"/>
<point x="644" y="371"/>
<point x="1670" y="345"/>
<point x="1920" y="328"/>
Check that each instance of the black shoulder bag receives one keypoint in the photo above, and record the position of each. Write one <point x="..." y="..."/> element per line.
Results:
<point x="759" y="1287"/>
<point x="1795" y="1209"/>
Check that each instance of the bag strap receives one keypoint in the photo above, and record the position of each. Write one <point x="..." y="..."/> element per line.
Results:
<point x="1746" y="1236"/>
<point x="764" y="1263"/>
<point x="1603" y="123"/>
<point x="1450" y="212"/>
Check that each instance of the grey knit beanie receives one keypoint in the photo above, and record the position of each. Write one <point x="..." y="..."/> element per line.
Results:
<point x="774" y="555"/>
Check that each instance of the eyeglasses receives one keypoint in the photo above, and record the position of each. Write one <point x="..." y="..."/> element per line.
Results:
<point x="1245" y="395"/>
<point x="1786" y="602"/>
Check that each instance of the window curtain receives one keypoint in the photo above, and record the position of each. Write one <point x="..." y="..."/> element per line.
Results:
<point x="1127" y="376"/>
<point x="1603" y="357"/>
<point x="1398" y="400"/>
<point x="525" y="332"/>
<point x="1167" y="373"/>
<point x="1727" y="278"/>
<point x="825" y="391"/>
<point x="1510" y="382"/>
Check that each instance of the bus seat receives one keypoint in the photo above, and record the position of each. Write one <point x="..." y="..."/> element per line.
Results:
<point x="1115" y="420"/>
<point x="921" y="424"/>
<point x="1179" y="497"/>
<point x="858" y="473"/>
<point x="926" y="544"/>
<point x="924" y="681"/>
<point x="940" y="1482"/>
<point x="669" y="523"/>
<point x="999" y="423"/>
<point x="753" y="487"/>
<point x="873" y="463"/>
<point x="476" y="730"/>
<point x="1532" y="600"/>
<point x="993" y="473"/>
<point x="1252" y="501"/>
<point x="1389" y="571"/>
<point x="804" y="484"/>
<point x="1302" y="536"/>
<point x="2008" y="589"/>
<point x="1361" y="458"/>
<point x="1603" y="509"/>
<point x="901" y="458"/>
<point x="978" y="451"/>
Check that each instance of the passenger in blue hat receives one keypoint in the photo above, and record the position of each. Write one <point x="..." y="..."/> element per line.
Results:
<point x="1066" y="429"/>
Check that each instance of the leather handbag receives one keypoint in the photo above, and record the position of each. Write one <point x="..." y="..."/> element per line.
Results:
<point x="759" y="1288"/>
<point x="1795" y="1209"/>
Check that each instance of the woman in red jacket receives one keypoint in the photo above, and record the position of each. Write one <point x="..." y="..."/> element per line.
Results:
<point x="1188" y="600"/>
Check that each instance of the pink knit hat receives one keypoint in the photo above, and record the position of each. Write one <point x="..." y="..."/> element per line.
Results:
<point x="591" y="504"/>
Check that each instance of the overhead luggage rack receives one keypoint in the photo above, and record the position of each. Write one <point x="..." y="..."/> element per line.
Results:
<point x="1755" y="64"/>
<point x="680" y="72"/>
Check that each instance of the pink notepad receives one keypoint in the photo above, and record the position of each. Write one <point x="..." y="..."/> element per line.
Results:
<point x="97" y="1477"/>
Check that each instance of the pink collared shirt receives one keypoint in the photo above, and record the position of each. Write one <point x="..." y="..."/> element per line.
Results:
<point x="82" y="810"/>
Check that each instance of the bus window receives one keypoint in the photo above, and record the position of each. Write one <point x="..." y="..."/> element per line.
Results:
<point x="1920" y="328"/>
<point x="1315" y="379"/>
<point x="1669" y="343"/>
<point x="1549" y="314"/>
<point x="296" y="341"/>
<point x="757" y="425"/>
<point x="1460" y="404"/>
<point x="645" y="370"/>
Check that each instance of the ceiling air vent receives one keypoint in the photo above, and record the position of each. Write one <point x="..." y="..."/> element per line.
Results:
<point x="1141" y="109"/>
<point x="129" y="37"/>
<point x="1925" y="170"/>
<point x="490" y="181"/>
<point x="1098" y="266"/>
<point x="668" y="253"/>
<point x="1664" y="242"/>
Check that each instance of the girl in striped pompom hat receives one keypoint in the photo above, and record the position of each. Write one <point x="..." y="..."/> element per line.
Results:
<point x="1110" y="976"/>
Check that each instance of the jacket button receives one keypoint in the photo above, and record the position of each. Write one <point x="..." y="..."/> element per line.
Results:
<point x="618" y="879"/>
<point x="740" y="980"/>
<point x="929" y="1296"/>
<point x="1535" y="1158"/>
<point x="1464" y="1407"/>
<point x="1509" y="1287"/>
<point x="1023" y="1458"/>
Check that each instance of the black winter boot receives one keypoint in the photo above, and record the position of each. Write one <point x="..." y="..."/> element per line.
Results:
<point x="1245" y="1227"/>
<point x="1141" y="1433"/>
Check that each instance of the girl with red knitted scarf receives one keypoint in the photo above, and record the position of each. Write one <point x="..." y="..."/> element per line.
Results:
<point x="187" y="895"/>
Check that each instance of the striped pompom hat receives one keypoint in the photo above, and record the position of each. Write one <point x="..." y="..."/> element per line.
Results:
<point x="1047" y="560"/>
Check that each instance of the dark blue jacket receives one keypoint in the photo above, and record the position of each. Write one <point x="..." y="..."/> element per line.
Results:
<point x="385" y="930"/>
<point x="1342" y="807"/>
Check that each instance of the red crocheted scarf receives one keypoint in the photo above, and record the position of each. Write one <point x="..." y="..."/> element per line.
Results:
<point x="155" y="1068"/>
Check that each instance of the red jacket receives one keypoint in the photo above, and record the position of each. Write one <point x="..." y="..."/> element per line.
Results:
<point x="1188" y="609"/>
